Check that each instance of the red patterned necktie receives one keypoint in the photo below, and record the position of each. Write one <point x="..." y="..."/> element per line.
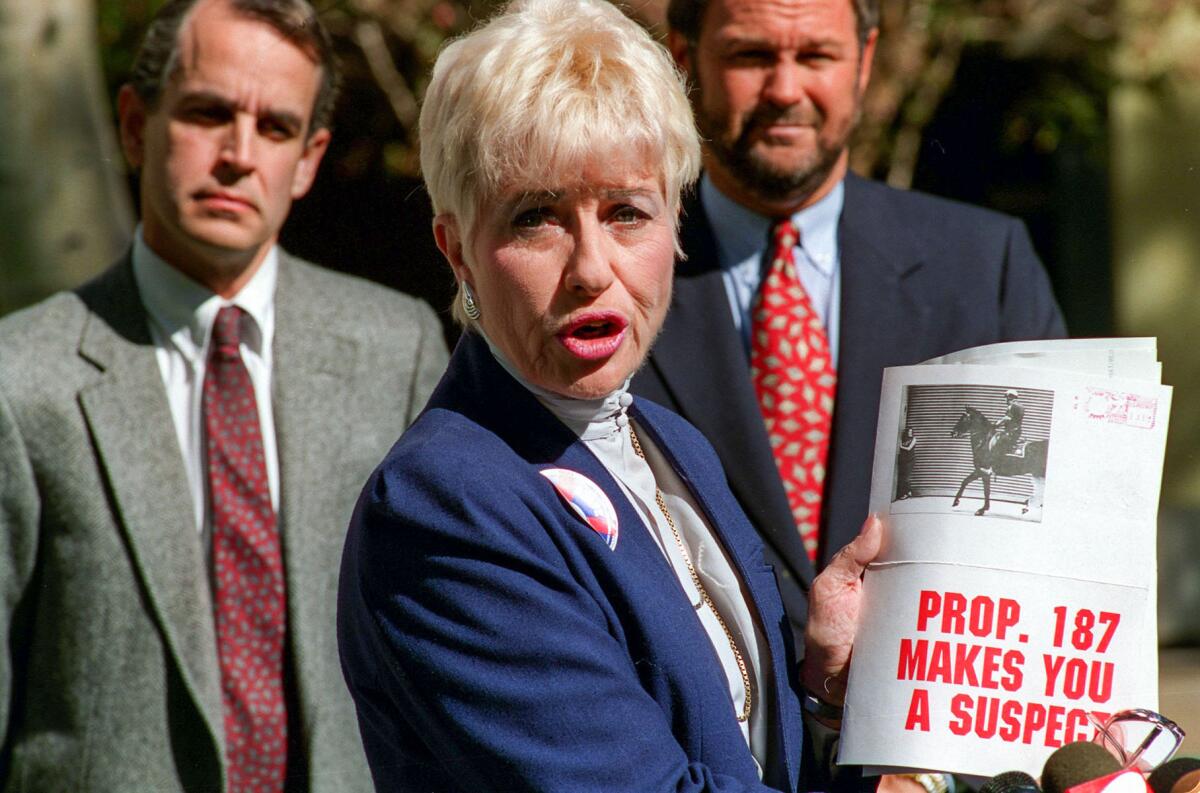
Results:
<point x="794" y="378"/>
<point x="248" y="570"/>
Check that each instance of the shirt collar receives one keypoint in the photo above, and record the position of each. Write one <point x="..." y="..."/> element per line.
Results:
<point x="741" y="234"/>
<point x="589" y="419"/>
<point x="184" y="310"/>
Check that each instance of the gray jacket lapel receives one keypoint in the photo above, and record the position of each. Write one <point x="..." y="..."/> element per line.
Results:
<point x="312" y="367"/>
<point x="130" y="421"/>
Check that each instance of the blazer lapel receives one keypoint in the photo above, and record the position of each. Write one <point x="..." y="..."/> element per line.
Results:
<point x="878" y="259"/>
<point x="742" y="547"/>
<point x="702" y="360"/>
<point x="879" y="296"/>
<point x="636" y="549"/>
<point x="482" y="390"/>
<point x="130" y="421"/>
<point x="655" y="581"/>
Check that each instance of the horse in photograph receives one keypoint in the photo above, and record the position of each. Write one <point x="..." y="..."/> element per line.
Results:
<point x="1025" y="459"/>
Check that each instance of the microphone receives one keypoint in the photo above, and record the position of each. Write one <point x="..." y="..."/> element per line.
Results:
<point x="1011" y="782"/>
<point x="1181" y="775"/>
<point x="1083" y="767"/>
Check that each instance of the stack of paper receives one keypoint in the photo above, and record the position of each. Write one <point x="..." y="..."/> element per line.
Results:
<point x="1015" y="593"/>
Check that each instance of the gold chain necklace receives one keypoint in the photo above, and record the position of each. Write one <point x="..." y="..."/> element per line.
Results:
<point x="687" y="560"/>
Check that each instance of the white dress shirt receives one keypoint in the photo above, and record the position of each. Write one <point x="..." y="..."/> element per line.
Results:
<point x="742" y="239"/>
<point x="181" y="314"/>
<point x="603" y="426"/>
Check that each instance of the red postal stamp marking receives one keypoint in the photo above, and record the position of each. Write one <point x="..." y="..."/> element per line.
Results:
<point x="1118" y="407"/>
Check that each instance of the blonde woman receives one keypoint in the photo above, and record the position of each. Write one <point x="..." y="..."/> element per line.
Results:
<point x="547" y="584"/>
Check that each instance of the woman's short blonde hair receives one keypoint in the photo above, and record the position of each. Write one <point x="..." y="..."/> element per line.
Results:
<point x="542" y="89"/>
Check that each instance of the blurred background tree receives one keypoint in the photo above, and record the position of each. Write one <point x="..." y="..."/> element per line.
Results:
<point x="63" y="202"/>
<point x="999" y="102"/>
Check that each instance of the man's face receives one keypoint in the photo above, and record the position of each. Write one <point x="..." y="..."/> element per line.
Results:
<point x="227" y="149"/>
<point x="780" y="83"/>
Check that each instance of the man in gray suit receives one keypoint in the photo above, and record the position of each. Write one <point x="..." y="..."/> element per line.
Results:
<point x="182" y="441"/>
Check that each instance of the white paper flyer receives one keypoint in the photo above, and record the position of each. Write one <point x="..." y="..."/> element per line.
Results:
<point x="1015" y="593"/>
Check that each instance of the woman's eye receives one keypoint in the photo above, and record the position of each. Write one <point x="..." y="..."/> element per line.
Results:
<point x="532" y="218"/>
<point x="629" y="214"/>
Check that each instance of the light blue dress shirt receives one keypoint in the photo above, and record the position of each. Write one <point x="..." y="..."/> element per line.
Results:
<point x="742" y="240"/>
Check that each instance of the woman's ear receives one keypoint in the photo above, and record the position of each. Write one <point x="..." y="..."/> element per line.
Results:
<point x="450" y="242"/>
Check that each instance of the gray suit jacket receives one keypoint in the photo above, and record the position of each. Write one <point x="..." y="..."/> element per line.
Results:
<point x="109" y="678"/>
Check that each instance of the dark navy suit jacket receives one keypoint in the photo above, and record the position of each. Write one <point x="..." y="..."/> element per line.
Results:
<point x="921" y="277"/>
<point x="492" y="640"/>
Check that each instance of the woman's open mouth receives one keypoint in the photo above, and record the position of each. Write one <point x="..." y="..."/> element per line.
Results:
<point x="594" y="336"/>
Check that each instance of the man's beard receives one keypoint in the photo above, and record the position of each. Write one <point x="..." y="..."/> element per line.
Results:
<point x="758" y="174"/>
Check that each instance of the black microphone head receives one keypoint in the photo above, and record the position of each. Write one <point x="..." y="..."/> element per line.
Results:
<point x="1075" y="764"/>
<point x="1010" y="782"/>
<point x="1167" y="774"/>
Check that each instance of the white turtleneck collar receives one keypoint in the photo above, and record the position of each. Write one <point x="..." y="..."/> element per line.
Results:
<point x="590" y="419"/>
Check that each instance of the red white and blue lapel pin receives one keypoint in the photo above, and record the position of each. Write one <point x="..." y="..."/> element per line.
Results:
<point x="587" y="500"/>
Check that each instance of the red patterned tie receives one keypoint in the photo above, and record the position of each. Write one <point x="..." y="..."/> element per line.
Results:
<point x="248" y="570"/>
<point x="794" y="378"/>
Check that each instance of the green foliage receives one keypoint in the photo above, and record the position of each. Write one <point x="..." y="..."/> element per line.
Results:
<point x="1081" y="48"/>
<point x="1065" y="46"/>
<point x="119" y="27"/>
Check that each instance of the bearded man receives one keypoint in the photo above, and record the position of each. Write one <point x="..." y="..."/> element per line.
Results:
<point x="803" y="281"/>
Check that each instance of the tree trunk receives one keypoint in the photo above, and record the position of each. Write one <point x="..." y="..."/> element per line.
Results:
<point x="64" y="206"/>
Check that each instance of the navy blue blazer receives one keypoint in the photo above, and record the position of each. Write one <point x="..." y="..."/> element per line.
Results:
<point x="921" y="277"/>
<point x="493" y="642"/>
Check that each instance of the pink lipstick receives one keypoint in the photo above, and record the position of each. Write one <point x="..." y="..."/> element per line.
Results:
<point x="594" y="336"/>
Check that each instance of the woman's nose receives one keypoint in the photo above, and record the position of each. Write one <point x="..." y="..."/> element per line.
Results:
<point x="589" y="270"/>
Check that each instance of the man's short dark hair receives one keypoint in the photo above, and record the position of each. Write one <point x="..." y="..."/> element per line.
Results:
<point x="686" y="17"/>
<point x="296" y="20"/>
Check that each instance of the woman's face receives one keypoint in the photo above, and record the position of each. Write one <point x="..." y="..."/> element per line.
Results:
<point x="572" y="285"/>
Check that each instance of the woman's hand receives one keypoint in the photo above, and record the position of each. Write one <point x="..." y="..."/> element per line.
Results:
<point x="833" y="608"/>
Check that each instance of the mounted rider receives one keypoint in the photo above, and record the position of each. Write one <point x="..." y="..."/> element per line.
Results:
<point x="1008" y="429"/>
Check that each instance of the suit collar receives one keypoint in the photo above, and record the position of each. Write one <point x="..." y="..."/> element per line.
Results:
<point x="129" y="418"/>
<point x="183" y="310"/>
<point x="314" y="361"/>
<point x="879" y="290"/>
<point x="870" y="224"/>
<point x="476" y="385"/>
<point x="307" y="332"/>
<point x="117" y="320"/>
<point x="742" y="236"/>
